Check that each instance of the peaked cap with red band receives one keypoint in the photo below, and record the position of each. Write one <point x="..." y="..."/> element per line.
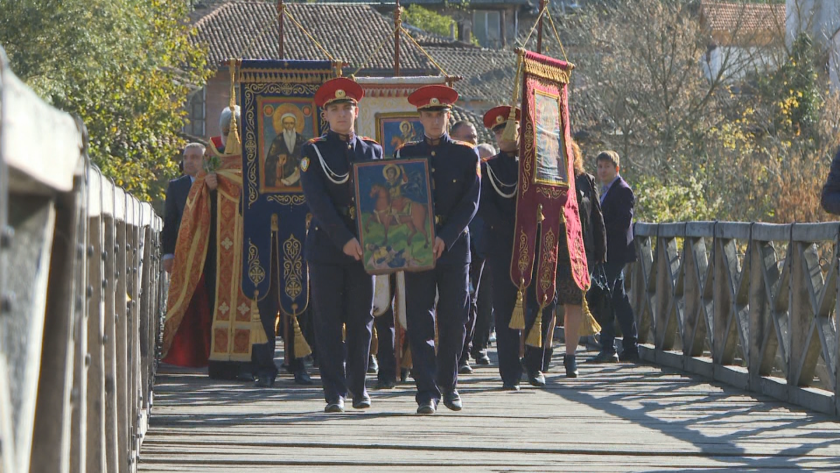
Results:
<point x="498" y="116"/>
<point x="340" y="89"/>
<point x="433" y="97"/>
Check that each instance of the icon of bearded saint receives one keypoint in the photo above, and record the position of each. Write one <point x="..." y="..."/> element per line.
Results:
<point x="282" y="162"/>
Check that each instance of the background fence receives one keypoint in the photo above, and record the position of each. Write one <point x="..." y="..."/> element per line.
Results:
<point x="80" y="298"/>
<point x="750" y="304"/>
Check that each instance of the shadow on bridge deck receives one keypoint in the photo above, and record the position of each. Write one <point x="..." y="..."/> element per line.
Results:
<point x="612" y="418"/>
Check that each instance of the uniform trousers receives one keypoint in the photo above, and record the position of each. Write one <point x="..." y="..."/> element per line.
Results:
<point x="507" y="339"/>
<point x="385" y="355"/>
<point x="342" y="294"/>
<point x="433" y="373"/>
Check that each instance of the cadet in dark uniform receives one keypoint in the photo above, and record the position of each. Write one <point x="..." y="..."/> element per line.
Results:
<point x="456" y="184"/>
<point x="342" y="292"/>
<point x="498" y="209"/>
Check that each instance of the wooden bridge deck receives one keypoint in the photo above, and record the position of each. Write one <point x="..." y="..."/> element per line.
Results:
<point x="613" y="418"/>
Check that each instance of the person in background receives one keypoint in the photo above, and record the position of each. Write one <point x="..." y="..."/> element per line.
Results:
<point x="830" y="198"/>
<point x="617" y="204"/>
<point x="594" y="242"/>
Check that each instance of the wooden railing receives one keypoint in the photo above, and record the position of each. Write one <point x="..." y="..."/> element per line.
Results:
<point x="81" y="291"/>
<point x="750" y="304"/>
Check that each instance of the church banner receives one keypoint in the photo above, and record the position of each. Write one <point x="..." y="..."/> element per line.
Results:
<point x="547" y="207"/>
<point x="279" y="115"/>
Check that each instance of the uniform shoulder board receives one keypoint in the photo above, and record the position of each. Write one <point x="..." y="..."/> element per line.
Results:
<point x="408" y="143"/>
<point x="459" y="142"/>
<point x="369" y="140"/>
<point x="316" y="139"/>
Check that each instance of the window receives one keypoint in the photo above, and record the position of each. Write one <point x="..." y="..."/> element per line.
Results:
<point x="196" y="112"/>
<point x="487" y="26"/>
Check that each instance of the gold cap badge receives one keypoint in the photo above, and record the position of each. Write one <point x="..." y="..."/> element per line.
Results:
<point x="499" y="119"/>
<point x="434" y="101"/>
<point x="340" y="94"/>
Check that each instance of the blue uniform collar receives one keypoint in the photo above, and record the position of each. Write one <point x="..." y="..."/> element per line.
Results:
<point x="331" y="135"/>
<point x="444" y="138"/>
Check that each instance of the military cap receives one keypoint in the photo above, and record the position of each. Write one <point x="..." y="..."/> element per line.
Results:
<point x="498" y="116"/>
<point x="338" y="90"/>
<point x="433" y="97"/>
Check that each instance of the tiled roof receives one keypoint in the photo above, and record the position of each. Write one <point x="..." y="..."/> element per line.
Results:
<point x="462" y="114"/>
<point x="248" y="28"/>
<point x="746" y="17"/>
<point x="487" y="73"/>
<point x="425" y="38"/>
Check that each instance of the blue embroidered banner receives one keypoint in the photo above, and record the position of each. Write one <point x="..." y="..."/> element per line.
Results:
<point x="279" y="115"/>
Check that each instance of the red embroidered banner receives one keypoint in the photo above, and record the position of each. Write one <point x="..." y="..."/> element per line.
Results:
<point x="547" y="207"/>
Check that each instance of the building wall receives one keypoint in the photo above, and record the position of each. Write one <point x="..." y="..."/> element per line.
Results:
<point x="218" y="98"/>
<point x="821" y="20"/>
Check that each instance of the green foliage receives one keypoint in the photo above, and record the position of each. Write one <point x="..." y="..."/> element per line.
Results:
<point x="124" y="66"/>
<point x="658" y="201"/>
<point x="427" y="20"/>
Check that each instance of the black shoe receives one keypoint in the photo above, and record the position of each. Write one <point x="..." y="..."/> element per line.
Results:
<point x="536" y="378"/>
<point x="264" y="382"/>
<point x="464" y="367"/>
<point x="452" y="400"/>
<point x="335" y="407"/>
<point x="605" y="357"/>
<point x="510" y="387"/>
<point x="426" y="407"/>
<point x="361" y="402"/>
<point x="302" y="378"/>
<point x="373" y="365"/>
<point x="481" y="357"/>
<point x="632" y="357"/>
<point x="385" y="384"/>
<point x="570" y="363"/>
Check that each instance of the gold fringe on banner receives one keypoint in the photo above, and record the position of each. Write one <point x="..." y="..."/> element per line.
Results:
<point x="535" y="335"/>
<point x="517" y="319"/>
<point x="302" y="348"/>
<point x="257" y="331"/>
<point x="588" y="324"/>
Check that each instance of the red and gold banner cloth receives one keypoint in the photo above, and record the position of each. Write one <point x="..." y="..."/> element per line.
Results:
<point x="547" y="205"/>
<point x="233" y="311"/>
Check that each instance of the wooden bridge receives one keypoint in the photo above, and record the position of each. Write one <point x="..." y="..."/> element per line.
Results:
<point x="737" y="323"/>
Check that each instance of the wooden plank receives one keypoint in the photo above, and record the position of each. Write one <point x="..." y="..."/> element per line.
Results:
<point x="109" y="288"/>
<point x="770" y="232"/>
<point x="22" y="324"/>
<point x="95" y="319"/>
<point x="622" y="417"/>
<point x="27" y="120"/>
<point x="700" y="229"/>
<point x="733" y="230"/>
<point x="812" y="232"/>
<point x="51" y="433"/>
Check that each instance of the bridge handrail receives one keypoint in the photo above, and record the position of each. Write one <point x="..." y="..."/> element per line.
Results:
<point x="80" y="286"/>
<point x="750" y="304"/>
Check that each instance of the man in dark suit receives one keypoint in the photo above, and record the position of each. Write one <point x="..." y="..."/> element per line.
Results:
<point x="617" y="202"/>
<point x="176" y="200"/>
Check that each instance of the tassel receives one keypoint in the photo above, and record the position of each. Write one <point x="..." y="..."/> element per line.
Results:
<point x="588" y="324"/>
<point x="406" y="358"/>
<point x="257" y="330"/>
<point x="517" y="319"/>
<point x="302" y="348"/>
<point x="374" y="342"/>
<point x="535" y="335"/>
